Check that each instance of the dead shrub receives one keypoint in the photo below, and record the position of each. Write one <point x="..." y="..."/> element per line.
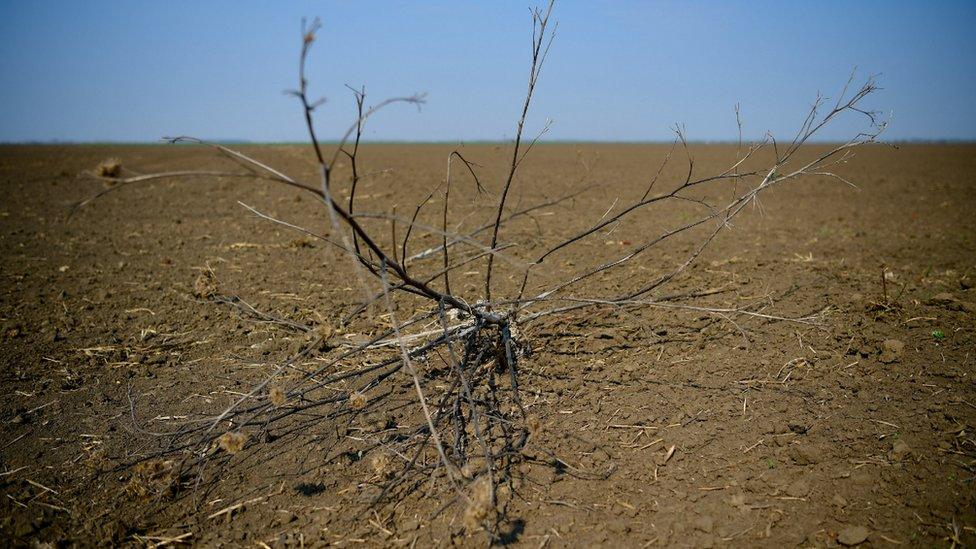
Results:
<point x="452" y="351"/>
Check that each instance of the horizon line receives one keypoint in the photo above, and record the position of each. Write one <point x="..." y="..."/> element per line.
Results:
<point x="247" y="142"/>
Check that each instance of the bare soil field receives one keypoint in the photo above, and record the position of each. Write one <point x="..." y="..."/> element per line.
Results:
<point x="652" y="426"/>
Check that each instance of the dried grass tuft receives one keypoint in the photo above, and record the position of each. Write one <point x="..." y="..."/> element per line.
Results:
<point x="232" y="442"/>
<point x="153" y="477"/>
<point x="205" y="286"/>
<point x="358" y="400"/>
<point x="277" y="396"/>
<point x="383" y="466"/>
<point x="324" y="331"/>
<point x="324" y="336"/>
<point x="110" y="167"/>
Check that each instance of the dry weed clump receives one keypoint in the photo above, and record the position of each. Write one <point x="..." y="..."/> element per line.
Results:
<point x="205" y="286"/>
<point x="324" y="337"/>
<point x="232" y="442"/>
<point x="357" y="400"/>
<point x="110" y="167"/>
<point x="324" y="331"/>
<point x="152" y="478"/>
<point x="383" y="466"/>
<point x="277" y="396"/>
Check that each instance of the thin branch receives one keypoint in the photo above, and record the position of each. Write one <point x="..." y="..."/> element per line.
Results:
<point x="540" y="22"/>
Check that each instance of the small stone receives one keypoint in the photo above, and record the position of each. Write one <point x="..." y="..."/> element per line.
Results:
<point x="900" y="450"/>
<point x="852" y="535"/>
<point x="891" y="350"/>
<point x="838" y="500"/>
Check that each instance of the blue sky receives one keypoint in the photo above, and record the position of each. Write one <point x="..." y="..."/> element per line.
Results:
<point x="103" y="70"/>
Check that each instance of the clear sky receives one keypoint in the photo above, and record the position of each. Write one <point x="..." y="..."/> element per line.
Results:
<point x="120" y="70"/>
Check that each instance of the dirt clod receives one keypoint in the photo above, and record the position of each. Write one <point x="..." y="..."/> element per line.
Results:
<point x="798" y="488"/>
<point x="944" y="299"/>
<point x="705" y="524"/>
<point x="806" y="454"/>
<point x="900" y="450"/>
<point x="852" y="535"/>
<point x="891" y="350"/>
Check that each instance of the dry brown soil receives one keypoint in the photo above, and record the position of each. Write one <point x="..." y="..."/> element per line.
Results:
<point x="787" y="435"/>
